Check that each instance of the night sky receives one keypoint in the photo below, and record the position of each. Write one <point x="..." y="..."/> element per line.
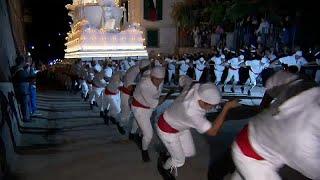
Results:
<point x="50" y="23"/>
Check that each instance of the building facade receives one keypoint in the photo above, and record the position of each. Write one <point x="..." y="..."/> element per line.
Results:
<point x="158" y="26"/>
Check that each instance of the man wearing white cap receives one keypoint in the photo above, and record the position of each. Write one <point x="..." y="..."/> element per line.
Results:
<point x="184" y="66"/>
<point x="107" y="71"/>
<point x="98" y="85"/>
<point x="287" y="133"/>
<point x="145" y="99"/>
<point x="295" y="60"/>
<point x="112" y="99"/>
<point x="199" y="68"/>
<point x="171" y="68"/>
<point x="129" y="81"/>
<point x="188" y="111"/>
<point x="97" y="67"/>
<point x="218" y="67"/>
<point x="233" y="71"/>
<point x="126" y="64"/>
<point x="255" y="68"/>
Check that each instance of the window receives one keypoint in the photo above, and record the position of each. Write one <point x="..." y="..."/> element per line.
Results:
<point x="152" y="10"/>
<point x="152" y="38"/>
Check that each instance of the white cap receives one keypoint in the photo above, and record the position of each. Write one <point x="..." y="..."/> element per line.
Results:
<point x="280" y="78"/>
<point x="184" y="81"/>
<point x="241" y="57"/>
<point x="298" y="53"/>
<point x="187" y="60"/>
<point x="201" y="59"/>
<point x="144" y="63"/>
<point x="158" y="72"/>
<point x="223" y="56"/>
<point x="209" y="93"/>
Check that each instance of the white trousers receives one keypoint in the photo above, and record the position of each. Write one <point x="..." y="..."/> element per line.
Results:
<point x="232" y="74"/>
<point x="218" y="75"/>
<point x="170" y="74"/>
<point x="113" y="102"/>
<point x="252" y="80"/>
<point x="142" y="117"/>
<point x="317" y="78"/>
<point x="97" y="95"/>
<point x="125" y="109"/>
<point x="198" y="74"/>
<point x="251" y="169"/>
<point x="84" y="88"/>
<point x="180" y="145"/>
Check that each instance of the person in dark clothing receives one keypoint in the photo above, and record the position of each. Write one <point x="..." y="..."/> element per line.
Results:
<point x="20" y="80"/>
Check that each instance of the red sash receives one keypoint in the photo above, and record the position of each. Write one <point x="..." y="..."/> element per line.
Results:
<point x="165" y="127"/>
<point x="107" y="92"/>
<point x="244" y="144"/>
<point x="125" y="90"/>
<point x="138" y="104"/>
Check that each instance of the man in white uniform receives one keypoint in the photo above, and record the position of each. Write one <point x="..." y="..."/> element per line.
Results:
<point x="112" y="99"/>
<point x="287" y="133"/>
<point x="255" y="68"/>
<point x="188" y="111"/>
<point x="145" y="100"/>
<point x="97" y="67"/>
<point x="184" y="66"/>
<point x="126" y="64"/>
<point x="199" y="68"/>
<point x="83" y="81"/>
<point x="295" y="60"/>
<point x="171" y="68"/>
<point x="233" y="71"/>
<point x="98" y="85"/>
<point x="129" y="81"/>
<point x="218" y="67"/>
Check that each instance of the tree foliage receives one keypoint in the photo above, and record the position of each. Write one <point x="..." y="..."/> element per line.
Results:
<point x="186" y="13"/>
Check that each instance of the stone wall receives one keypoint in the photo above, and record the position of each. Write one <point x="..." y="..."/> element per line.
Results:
<point x="11" y="44"/>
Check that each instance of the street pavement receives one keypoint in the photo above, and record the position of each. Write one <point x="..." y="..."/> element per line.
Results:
<point x="70" y="141"/>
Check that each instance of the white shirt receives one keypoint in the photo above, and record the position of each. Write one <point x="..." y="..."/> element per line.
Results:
<point x="235" y="63"/>
<point x="218" y="64"/>
<point x="171" y="64"/>
<point x="146" y="93"/>
<point x="292" y="136"/>
<point x="107" y="72"/>
<point x="256" y="66"/>
<point x="115" y="82"/>
<point x="185" y="112"/>
<point x="200" y="65"/>
<point x="292" y="61"/>
<point x="131" y="76"/>
<point x="184" y="66"/>
<point x="127" y="64"/>
<point x="97" y="67"/>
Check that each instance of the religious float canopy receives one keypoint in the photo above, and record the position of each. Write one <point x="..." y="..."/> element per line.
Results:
<point x="100" y="29"/>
